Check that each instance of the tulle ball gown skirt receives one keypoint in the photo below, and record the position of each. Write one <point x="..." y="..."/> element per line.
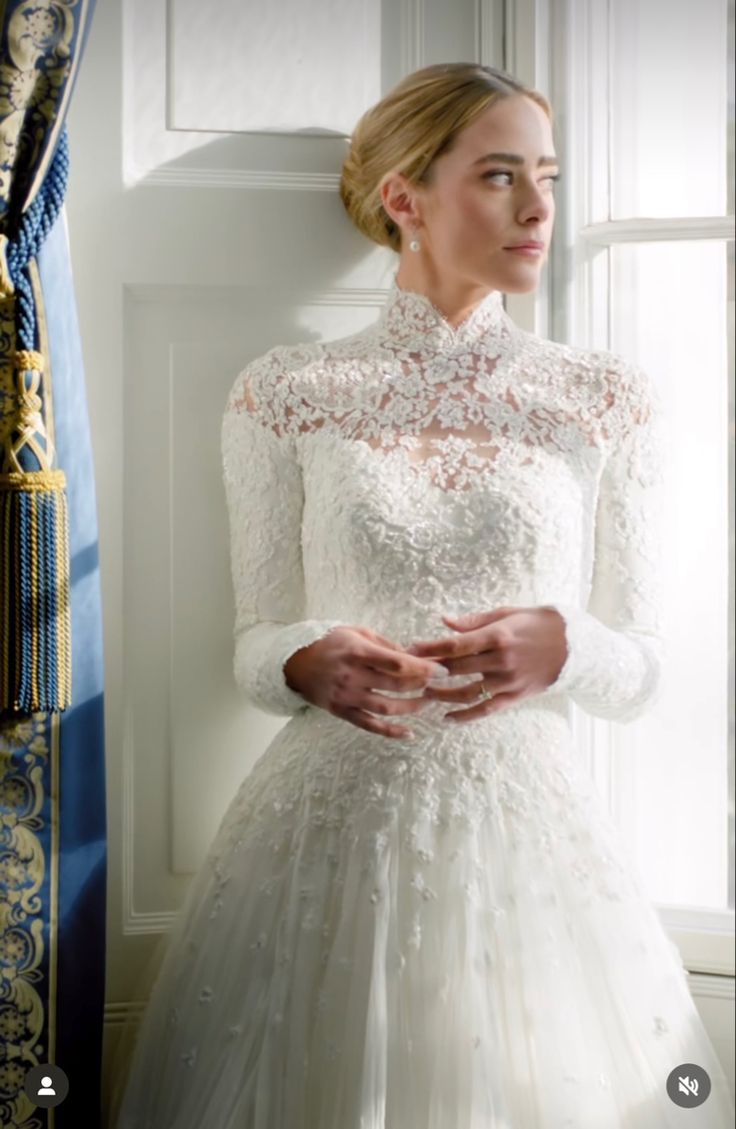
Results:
<point x="443" y="933"/>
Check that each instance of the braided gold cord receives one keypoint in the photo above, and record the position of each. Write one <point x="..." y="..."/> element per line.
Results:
<point x="29" y="360"/>
<point x="33" y="480"/>
<point x="64" y="641"/>
<point x="34" y="603"/>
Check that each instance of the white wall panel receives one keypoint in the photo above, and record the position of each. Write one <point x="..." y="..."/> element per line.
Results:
<point x="288" y="65"/>
<point x="193" y="737"/>
<point x="189" y="92"/>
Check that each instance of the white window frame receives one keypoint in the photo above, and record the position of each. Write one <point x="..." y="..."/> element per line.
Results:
<point x="548" y="44"/>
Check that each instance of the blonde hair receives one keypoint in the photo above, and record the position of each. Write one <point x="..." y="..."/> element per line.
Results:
<point x="410" y="128"/>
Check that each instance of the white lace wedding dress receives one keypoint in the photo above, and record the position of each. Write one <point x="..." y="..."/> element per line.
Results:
<point x="445" y="932"/>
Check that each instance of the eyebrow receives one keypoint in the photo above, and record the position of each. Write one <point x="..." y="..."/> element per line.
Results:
<point x="514" y="159"/>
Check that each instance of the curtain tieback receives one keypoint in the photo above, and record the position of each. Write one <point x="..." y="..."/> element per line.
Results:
<point x="35" y="610"/>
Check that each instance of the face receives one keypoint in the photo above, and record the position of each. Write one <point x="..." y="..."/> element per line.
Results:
<point x="476" y="207"/>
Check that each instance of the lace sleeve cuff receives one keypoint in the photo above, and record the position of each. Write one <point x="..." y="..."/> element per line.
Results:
<point x="260" y="654"/>
<point x="612" y="674"/>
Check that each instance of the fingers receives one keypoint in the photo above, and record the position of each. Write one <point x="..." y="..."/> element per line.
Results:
<point x="397" y="671"/>
<point x="397" y="662"/>
<point x="467" y="693"/>
<point x="487" y="662"/>
<point x="358" y="714"/>
<point x="454" y="647"/>
<point x="493" y="705"/>
<point x="439" y="648"/>
<point x="377" y="703"/>
<point x="373" y="724"/>
<point x="364" y="705"/>
<point x="365" y="701"/>
<point x="377" y="638"/>
<point x="374" y="680"/>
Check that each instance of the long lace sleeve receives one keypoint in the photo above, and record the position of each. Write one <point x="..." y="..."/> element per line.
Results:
<point x="615" y="647"/>
<point x="264" y="494"/>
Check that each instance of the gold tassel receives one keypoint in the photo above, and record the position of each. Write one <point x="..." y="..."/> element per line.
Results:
<point x="35" y="610"/>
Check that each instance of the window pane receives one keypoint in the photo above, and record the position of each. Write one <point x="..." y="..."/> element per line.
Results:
<point x="669" y="313"/>
<point x="668" y="108"/>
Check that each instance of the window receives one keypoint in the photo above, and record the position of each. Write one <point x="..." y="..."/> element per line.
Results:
<point x="642" y="264"/>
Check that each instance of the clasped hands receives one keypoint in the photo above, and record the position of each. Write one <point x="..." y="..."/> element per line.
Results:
<point x="518" y="651"/>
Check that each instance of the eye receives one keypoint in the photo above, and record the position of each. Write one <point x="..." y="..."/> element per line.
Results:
<point x="506" y="172"/>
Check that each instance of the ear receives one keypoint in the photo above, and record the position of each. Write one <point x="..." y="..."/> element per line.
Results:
<point x="399" y="199"/>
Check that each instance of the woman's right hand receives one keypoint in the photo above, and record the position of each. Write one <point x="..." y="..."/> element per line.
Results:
<point x="341" y="672"/>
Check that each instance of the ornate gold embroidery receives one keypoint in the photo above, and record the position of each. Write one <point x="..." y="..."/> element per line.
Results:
<point x="32" y="82"/>
<point x="24" y="763"/>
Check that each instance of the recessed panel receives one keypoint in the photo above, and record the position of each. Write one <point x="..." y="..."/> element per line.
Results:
<point x="193" y="735"/>
<point x="290" y="65"/>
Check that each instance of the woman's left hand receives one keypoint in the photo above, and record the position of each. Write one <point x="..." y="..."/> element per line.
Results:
<point x="519" y="652"/>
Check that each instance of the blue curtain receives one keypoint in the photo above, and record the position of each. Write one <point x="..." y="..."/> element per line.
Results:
<point x="52" y="769"/>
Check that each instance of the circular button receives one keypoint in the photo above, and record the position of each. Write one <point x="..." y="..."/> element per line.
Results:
<point x="688" y="1085"/>
<point x="46" y="1085"/>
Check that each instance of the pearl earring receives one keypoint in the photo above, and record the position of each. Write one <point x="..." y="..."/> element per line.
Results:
<point x="415" y="244"/>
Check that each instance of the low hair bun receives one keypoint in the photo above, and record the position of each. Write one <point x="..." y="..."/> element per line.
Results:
<point x="409" y="129"/>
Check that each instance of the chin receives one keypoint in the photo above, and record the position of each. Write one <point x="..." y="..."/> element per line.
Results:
<point x="519" y="285"/>
<point x="524" y="279"/>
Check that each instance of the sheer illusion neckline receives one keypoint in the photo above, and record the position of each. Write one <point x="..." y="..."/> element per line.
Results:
<point x="411" y="318"/>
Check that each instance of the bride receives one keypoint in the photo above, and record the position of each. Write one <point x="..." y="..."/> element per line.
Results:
<point x="416" y="912"/>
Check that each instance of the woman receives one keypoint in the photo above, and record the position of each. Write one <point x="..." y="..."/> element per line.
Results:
<point x="416" y="913"/>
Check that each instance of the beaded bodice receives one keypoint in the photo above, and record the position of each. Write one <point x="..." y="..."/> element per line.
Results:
<point x="415" y="469"/>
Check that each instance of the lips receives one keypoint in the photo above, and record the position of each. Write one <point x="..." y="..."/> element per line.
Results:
<point x="531" y="244"/>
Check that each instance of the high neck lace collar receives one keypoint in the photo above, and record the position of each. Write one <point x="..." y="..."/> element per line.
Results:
<point x="410" y="319"/>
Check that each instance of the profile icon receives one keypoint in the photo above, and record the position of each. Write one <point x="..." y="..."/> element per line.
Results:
<point x="46" y="1085"/>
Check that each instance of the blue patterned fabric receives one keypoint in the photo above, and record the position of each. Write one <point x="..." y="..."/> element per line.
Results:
<point x="52" y="764"/>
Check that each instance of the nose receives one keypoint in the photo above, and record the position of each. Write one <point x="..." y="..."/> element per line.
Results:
<point x="538" y="203"/>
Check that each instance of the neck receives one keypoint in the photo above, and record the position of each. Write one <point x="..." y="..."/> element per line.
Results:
<point x="455" y="298"/>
